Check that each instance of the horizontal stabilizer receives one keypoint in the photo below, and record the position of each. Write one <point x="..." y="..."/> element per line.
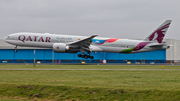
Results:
<point x="156" y="45"/>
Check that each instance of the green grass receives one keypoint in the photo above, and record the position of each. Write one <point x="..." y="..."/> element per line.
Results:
<point x="91" y="66"/>
<point x="89" y="85"/>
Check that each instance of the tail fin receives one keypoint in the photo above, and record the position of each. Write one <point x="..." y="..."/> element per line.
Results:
<point x="159" y="33"/>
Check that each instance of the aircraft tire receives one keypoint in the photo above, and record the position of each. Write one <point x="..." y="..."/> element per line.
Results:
<point x="91" y="57"/>
<point x="82" y="56"/>
<point x="86" y="57"/>
<point x="79" y="55"/>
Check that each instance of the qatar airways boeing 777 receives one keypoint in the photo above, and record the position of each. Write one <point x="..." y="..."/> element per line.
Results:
<point x="88" y="44"/>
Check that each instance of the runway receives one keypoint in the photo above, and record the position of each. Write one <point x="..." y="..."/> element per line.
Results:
<point x="32" y="69"/>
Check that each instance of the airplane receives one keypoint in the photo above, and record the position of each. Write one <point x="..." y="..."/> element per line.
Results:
<point x="87" y="44"/>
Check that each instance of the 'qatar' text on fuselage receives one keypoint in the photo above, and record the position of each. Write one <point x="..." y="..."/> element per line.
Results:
<point x="36" y="38"/>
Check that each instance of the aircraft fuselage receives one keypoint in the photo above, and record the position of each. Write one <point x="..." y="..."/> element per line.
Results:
<point x="98" y="44"/>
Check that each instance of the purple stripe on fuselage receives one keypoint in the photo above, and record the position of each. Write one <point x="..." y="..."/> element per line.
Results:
<point x="140" y="46"/>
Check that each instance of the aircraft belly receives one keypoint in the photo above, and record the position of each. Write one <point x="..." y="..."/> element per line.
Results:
<point x="111" y="49"/>
<point x="30" y="44"/>
<point x="144" y="50"/>
<point x="95" y="48"/>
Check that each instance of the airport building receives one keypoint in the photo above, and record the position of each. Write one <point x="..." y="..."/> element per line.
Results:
<point x="26" y="55"/>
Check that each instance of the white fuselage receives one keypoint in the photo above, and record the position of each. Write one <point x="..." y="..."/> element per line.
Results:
<point x="98" y="44"/>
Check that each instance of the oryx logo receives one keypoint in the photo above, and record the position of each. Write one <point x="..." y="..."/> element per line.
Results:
<point x="159" y="34"/>
<point x="58" y="47"/>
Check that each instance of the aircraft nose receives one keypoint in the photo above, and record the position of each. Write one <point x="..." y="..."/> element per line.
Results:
<point x="7" y="38"/>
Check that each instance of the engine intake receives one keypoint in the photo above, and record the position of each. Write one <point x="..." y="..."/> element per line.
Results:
<point x="60" y="47"/>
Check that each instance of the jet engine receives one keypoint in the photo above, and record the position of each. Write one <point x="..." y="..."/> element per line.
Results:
<point x="60" y="47"/>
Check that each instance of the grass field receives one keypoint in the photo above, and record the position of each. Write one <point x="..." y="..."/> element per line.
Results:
<point x="137" y="84"/>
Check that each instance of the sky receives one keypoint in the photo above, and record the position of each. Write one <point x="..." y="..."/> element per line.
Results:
<point x="131" y="19"/>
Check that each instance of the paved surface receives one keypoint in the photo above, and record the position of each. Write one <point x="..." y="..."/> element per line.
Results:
<point x="94" y="69"/>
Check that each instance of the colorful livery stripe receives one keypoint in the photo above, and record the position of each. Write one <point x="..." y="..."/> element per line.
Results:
<point x="138" y="47"/>
<point x="102" y="41"/>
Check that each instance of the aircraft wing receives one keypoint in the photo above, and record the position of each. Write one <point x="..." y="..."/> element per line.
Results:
<point x="83" y="43"/>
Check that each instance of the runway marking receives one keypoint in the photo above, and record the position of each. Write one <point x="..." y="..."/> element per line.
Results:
<point x="95" y="69"/>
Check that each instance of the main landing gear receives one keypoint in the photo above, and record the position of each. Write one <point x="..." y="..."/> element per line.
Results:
<point x="85" y="56"/>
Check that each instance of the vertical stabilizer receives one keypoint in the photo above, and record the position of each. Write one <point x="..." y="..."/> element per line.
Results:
<point x="159" y="33"/>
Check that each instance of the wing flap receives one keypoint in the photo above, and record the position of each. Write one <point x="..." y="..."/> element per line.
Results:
<point x="83" y="44"/>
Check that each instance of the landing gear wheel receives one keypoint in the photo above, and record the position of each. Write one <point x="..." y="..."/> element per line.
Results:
<point x="91" y="57"/>
<point x="79" y="55"/>
<point x="82" y="56"/>
<point x="15" y="50"/>
<point x="86" y="56"/>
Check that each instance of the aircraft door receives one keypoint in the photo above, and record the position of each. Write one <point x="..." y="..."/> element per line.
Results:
<point x="107" y="44"/>
<point x="137" y="47"/>
<point x="62" y="40"/>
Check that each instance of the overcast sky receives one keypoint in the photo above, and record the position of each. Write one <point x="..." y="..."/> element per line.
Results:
<point x="132" y="19"/>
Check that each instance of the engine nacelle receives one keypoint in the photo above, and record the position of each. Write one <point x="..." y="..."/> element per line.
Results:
<point x="60" y="47"/>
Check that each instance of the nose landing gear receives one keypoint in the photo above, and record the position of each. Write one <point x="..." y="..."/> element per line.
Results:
<point x="15" y="49"/>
